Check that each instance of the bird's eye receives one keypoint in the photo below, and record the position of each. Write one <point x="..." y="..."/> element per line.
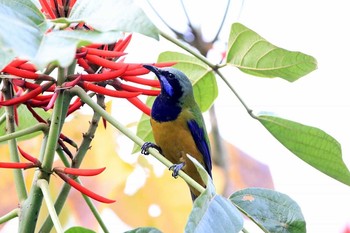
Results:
<point x="170" y="75"/>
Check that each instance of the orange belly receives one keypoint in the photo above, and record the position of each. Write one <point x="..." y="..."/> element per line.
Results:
<point x="175" y="140"/>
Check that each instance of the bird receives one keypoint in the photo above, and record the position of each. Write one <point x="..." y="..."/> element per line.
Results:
<point x="178" y="126"/>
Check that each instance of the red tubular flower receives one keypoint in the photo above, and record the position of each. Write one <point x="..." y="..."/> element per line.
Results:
<point x="143" y="81"/>
<point x="16" y="165"/>
<point x="29" y="157"/>
<point x="28" y="85"/>
<point x="26" y="74"/>
<point x="105" y="63"/>
<point x="28" y="67"/>
<point x="102" y="53"/>
<point x="15" y="113"/>
<point x="140" y="105"/>
<point x="75" y="106"/>
<point x="65" y="149"/>
<point x="122" y="44"/>
<point x="82" y="62"/>
<point x="105" y="91"/>
<point x="79" y="171"/>
<point x="82" y="189"/>
<point x="104" y="76"/>
<point x="46" y="8"/>
<point x="27" y="96"/>
<point x="141" y="90"/>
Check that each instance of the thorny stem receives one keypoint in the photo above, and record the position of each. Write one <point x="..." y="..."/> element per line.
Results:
<point x="29" y="217"/>
<point x="84" y="97"/>
<point x="10" y="128"/>
<point x="78" y="158"/>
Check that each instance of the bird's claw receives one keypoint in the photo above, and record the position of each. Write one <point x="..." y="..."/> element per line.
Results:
<point x="147" y="145"/>
<point x="176" y="169"/>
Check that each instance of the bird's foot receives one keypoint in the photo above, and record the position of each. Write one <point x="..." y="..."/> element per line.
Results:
<point x="176" y="168"/>
<point x="147" y="145"/>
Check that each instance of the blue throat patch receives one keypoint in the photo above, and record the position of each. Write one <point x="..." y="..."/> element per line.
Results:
<point x="164" y="109"/>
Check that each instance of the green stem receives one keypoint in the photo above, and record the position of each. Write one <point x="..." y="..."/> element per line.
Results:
<point x="38" y="127"/>
<point x="188" y="49"/>
<point x="12" y="143"/>
<point x="250" y="112"/>
<point x="31" y="207"/>
<point x="54" y="132"/>
<point x="84" y="97"/>
<point x="10" y="215"/>
<point x="94" y="211"/>
<point x="78" y="158"/>
<point x="44" y="186"/>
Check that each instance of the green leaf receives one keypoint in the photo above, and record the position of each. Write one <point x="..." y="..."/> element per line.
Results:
<point x="25" y="120"/>
<point x="310" y="144"/>
<point x="203" y="79"/>
<point x="79" y="230"/>
<point x="144" y="130"/>
<point x="212" y="212"/>
<point x="273" y="211"/>
<point x="107" y="15"/>
<point x="19" y="30"/>
<point x="252" y="54"/>
<point x="22" y="35"/>
<point x="60" y="46"/>
<point x="144" y="230"/>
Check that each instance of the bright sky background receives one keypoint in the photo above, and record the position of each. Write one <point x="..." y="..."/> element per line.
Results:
<point x="321" y="99"/>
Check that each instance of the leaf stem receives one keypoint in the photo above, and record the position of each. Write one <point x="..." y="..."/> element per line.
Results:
<point x="250" y="112"/>
<point x="38" y="127"/>
<point x="10" y="215"/>
<point x="188" y="49"/>
<point x="44" y="186"/>
<point x="85" y="98"/>
<point x="215" y="68"/>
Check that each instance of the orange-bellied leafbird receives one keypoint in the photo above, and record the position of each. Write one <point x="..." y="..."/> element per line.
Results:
<point x="178" y="126"/>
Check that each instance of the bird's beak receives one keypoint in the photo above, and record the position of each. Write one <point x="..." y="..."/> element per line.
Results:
<point x="154" y="69"/>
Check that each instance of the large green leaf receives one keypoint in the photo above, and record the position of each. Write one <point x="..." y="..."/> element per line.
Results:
<point x="79" y="230"/>
<point x="212" y="212"/>
<point x="271" y="210"/>
<point x="22" y="30"/>
<point x="203" y="79"/>
<point x="144" y="230"/>
<point x="107" y="15"/>
<point x="310" y="144"/>
<point x="252" y="54"/>
<point x="19" y="30"/>
<point x="25" y="120"/>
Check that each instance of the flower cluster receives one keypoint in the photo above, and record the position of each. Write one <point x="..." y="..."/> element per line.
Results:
<point x="104" y="73"/>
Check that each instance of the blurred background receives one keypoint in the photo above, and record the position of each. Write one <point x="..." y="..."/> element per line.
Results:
<point x="145" y="192"/>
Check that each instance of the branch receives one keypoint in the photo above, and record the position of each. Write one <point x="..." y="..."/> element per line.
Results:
<point x="44" y="186"/>
<point x="84" y="97"/>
